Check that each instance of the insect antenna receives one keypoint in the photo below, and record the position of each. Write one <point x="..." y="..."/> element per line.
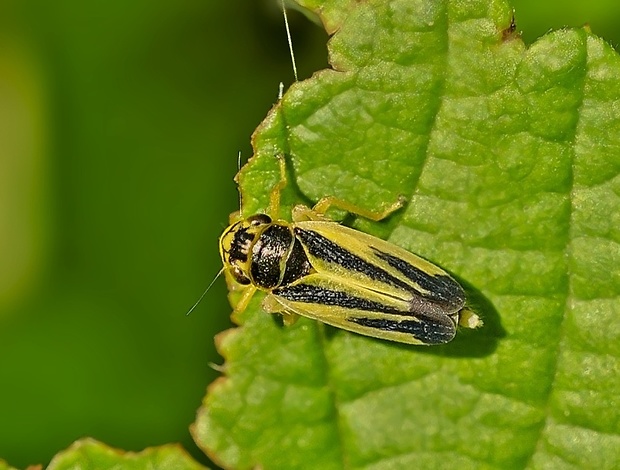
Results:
<point x="290" y="41"/>
<point x="205" y="292"/>
<point x="238" y="170"/>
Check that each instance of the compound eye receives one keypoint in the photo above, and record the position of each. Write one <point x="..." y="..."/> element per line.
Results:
<point x="239" y="276"/>
<point x="259" y="219"/>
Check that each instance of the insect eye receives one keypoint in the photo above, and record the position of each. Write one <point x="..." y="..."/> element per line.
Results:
<point x="259" y="219"/>
<point x="240" y="276"/>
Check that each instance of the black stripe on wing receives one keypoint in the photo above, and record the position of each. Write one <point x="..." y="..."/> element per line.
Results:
<point x="324" y="249"/>
<point x="428" y="330"/>
<point x="440" y="288"/>
<point x="312" y="294"/>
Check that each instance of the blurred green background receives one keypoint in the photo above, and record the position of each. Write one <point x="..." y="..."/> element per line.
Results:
<point x="120" y="123"/>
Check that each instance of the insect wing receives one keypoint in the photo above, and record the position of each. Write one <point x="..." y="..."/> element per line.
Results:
<point x="370" y="286"/>
<point x="379" y="265"/>
<point x="355" y="307"/>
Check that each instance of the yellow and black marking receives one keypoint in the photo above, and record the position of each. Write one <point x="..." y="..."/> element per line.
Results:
<point x="317" y="268"/>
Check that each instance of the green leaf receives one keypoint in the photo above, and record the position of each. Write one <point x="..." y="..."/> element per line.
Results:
<point x="510" y="159"/>
<point x="89" y="454"/>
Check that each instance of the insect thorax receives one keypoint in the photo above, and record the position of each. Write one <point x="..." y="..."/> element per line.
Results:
<point x="264" y="253"/>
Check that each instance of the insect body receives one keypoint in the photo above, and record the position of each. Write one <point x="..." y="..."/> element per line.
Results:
<point x="317" y="268"/>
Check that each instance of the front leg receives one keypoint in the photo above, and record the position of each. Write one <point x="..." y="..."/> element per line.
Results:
<point x="271" y="305"/>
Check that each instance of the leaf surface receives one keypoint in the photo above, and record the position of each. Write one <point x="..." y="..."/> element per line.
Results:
<point x="509" y="157"/>
<point x="87" y="454"/>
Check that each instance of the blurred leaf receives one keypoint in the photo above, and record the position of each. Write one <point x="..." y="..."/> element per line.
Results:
<point x="90" y="454"/>
<point x="117" y="182"/>
<point x="536" y="18"/>
<point x="510" y="159"/>
<point x="5" y="466"/>
<point x="23" y="228"/>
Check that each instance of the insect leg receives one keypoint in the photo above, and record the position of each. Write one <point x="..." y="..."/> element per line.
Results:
<point x="247" y="295"/>
<point x="271" y="305"/>
<point x="321" y="207"/>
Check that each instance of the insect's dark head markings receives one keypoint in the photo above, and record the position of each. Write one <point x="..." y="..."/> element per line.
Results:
<point x="236" y="244"/>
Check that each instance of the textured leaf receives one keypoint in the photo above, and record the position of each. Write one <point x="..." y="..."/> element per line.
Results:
<point x="89" y="454"/>
<point x="510" y="159"/>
